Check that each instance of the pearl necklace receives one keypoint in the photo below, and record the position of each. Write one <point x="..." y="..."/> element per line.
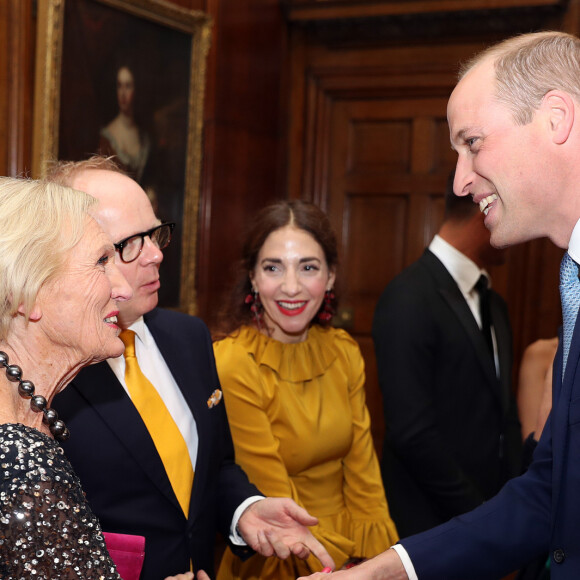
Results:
<point x="37" y="402"/>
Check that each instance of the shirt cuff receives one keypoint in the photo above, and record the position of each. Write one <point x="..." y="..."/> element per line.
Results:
<point x="235" y="538"/>
<point x="407" y="564"/>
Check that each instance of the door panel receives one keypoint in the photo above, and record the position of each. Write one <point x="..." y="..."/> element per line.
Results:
<point x="368" y="141"/>
<point x="388" y="164"/>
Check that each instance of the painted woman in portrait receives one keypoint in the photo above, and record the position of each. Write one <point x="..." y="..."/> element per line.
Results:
<point x="124" y="136"/>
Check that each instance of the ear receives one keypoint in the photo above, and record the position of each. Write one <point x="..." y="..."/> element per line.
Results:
<point x="331" y="278"/>
<point x="560" y="108"/>
<point x="35" y="314"/>
<point x="251" y="276"/>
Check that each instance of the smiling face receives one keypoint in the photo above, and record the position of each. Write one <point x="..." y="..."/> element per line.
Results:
<point x="78" y="306"/>
<point x="291" y="276"/>
<point x="125" y="210"/>
<point x="502" y="165"/>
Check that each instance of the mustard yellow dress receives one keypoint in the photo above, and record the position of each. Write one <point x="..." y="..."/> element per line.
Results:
<point x="301" y="429"/>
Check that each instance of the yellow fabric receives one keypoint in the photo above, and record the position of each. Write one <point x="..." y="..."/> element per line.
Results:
<point x="301" y="429"/>
<point x="167" y="437"/>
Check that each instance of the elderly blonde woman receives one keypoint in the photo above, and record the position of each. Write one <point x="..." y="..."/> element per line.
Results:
<point x="58" y="287"/>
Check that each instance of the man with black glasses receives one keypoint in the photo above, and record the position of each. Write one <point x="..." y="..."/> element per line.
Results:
<point x="149" y="439"/>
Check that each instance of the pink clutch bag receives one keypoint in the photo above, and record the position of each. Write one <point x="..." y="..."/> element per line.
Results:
<point x="128" y="553"/>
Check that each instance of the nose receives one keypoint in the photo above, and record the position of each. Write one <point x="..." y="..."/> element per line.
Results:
<point x="120" y="289"/>
<point x="150" y="253"/>
<point x="463" y="177"/>
<point x="291" y="283"/>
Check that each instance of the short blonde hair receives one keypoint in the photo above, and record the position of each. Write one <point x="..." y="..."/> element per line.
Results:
<point x="40" y="222"/>
<point x="529" y="66"/>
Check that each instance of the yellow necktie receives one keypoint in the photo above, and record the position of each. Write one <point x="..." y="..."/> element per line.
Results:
<point x="161" y="426"/>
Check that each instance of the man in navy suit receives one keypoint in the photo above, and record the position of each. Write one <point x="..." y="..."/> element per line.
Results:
<point x="111" y="448"/>
<point x="440" y="457"/>
<point x="514" y="120"/>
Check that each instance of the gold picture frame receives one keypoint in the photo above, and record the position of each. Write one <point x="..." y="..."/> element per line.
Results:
<point x="82" y="45"/>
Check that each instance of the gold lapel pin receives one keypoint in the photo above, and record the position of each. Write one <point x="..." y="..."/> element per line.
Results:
<point x="215" y="398"/>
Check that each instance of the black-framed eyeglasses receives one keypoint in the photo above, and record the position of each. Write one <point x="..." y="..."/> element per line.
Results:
<point x="130" y="248"/>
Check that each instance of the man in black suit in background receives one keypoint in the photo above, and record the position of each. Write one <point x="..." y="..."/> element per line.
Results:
<point x="452" y="432"/>
<point x="112" y="448"/>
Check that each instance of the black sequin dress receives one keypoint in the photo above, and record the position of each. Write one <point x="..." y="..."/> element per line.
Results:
<point x="47" y="529"/>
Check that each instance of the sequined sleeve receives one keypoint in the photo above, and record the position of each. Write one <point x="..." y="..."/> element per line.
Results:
<point x="47" y="528"/>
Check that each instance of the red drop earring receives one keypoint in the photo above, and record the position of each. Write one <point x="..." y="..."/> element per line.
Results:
<point x="327" y="311"/>
<point x="253" y="300"/>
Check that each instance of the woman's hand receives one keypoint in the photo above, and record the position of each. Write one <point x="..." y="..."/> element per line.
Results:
<point x="201" y="575"/>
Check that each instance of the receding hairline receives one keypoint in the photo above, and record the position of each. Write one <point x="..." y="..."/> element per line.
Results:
<point x="83" y="180"/>
<point x="507" y="47"/>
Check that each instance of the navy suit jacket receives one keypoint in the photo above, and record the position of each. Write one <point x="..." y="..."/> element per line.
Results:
<point x="452" y="434"/>
<point x="534" y="513"/>
<point x="121" y="472"/>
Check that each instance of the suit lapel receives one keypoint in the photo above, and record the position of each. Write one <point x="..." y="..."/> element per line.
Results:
<point x="561" y="395"/>
<point x="563" y="392"/>
<point x="451" y="293"/>
<point x="100" y="387"/>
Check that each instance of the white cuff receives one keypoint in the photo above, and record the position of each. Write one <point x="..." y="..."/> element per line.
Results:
<point x="407" y="564"/>
<point x="235" y="537"/>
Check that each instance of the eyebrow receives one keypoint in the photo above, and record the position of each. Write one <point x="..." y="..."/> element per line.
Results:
<point x="279" y="260"/>
<point x="459" y="136"/>
<point x="105" y="249"/>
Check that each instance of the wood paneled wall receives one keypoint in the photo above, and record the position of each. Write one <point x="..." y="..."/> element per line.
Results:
<point x="243" y="148"/>
<point x="369" y="87"/>
<point x="278" y="71"/>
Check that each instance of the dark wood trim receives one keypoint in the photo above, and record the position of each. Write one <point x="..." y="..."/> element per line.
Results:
<point x="303" y="10"/>
<point x="405" y="28"/>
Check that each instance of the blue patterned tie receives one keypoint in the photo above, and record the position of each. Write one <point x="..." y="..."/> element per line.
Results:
<point x="570" y="295"/>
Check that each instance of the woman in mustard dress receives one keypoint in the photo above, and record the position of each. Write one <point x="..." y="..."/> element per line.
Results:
<point x="294" y="392"/>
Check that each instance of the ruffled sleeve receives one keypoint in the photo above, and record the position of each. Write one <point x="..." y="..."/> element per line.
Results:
<point x="371" y="525"/>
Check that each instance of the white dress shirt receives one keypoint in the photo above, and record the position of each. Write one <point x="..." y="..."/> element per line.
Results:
<point x="466" y="273"/>
<point x="574" y="245"/>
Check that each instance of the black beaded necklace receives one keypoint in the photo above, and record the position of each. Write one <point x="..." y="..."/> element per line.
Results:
<point x="37" y="402"/>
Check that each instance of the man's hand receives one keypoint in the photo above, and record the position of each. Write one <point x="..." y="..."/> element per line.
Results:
<point x="385" y="566"/>
<point x="278" y="526"/>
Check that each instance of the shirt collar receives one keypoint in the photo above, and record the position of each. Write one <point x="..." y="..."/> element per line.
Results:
<point x="463" y="270"/>
<point x="574" y="245"/>
<point x="140" y="330"/>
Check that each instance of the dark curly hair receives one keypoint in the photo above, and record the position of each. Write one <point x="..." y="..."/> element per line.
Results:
<point x="302" y="215"/>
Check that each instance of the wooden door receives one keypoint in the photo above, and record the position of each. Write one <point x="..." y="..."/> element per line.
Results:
<point x="387" y="172"/>
<point x="376" y="158"/>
